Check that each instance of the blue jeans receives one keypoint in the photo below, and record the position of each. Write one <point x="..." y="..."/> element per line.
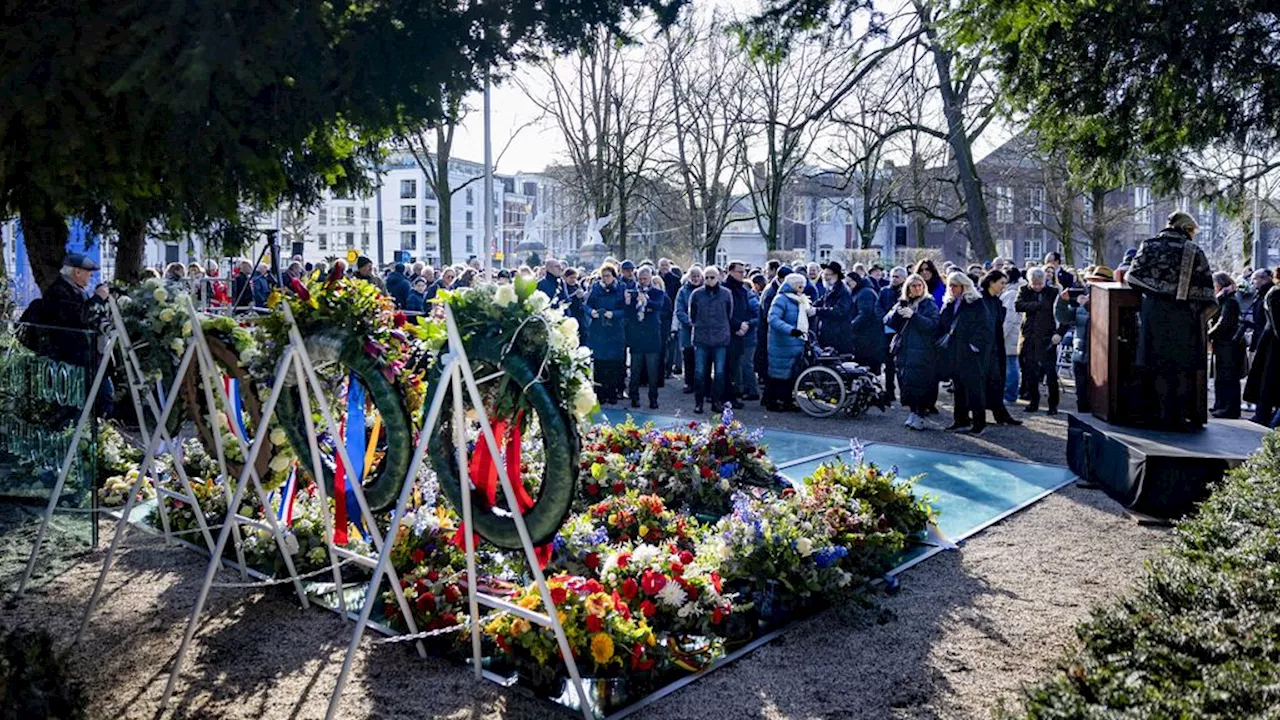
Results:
<point x="703" y="360"/>
<point x="1011" y="379"/>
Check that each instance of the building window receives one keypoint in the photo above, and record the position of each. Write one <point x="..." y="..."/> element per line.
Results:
<point x="471" y="197"/>
<point x="324" y="241"/>
<point x="408" y="189"/>
<point x="349" y="216"/>
<point x="1004" y="248"/>
<point x="430" y="240"/>
<point x="1142" y="206"/>
<point x="1004" y="204"/>
<point x="429" y="215"/>
<point x="171" y="252"/>
<point x="1033" y="246"/>
<point x="364" y="240"/>
<point x="408" y="215"/>
<point x="409" y="241"/>
<point x="1035" y="205"/>
<point x="824" y="253"/>
<point x="1088" y="207"/>
<point x="324" y="217"/>
<point x="471" y="245"/>
<point x="722" y="258"/>
<point x="471" y="221"/>
<point x="351" y="240"/>
<point x="899" y="228"/>
<point x="364" y="213"/>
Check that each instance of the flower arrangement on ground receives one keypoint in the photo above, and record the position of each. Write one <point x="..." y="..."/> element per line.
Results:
<point x="304" y="538"/>
<point x="672" y="588"/>
<point x="610" y="457"/>
<point x="606" y="638"/>
<point x="702" y="465"/>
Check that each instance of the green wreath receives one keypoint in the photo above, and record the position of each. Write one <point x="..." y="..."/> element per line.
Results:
<point x="559" y="486"/>
<point x="384" y="480"/>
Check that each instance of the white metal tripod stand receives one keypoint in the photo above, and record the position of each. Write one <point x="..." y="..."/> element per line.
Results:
<point x="458" y="375"/>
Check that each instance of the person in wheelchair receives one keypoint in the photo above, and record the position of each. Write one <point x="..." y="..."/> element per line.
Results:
<point x="788" y="327"/>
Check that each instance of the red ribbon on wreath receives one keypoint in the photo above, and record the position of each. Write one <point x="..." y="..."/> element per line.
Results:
<point x="484" y="475"/>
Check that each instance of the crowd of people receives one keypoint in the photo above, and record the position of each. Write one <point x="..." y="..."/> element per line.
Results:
<point x="991" y="333"/>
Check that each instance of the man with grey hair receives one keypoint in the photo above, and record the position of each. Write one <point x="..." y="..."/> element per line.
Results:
<point x="552" y="284"/>
<point x="1038" y="349"/>
<point x="710" y="314"/>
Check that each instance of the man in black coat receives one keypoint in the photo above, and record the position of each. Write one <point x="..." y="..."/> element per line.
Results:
<point x="66" y="303"/>
<point x="780" y="274"/>
<point x="671" y="280"/>
<point x="834" y="311"/>
<point x="552" y="284"/>
<point x="1038" y="347"/>
<point x="739" y="325"/>
<point x="1228" y="349"/>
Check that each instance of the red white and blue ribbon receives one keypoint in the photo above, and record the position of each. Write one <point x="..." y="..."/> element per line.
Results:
<point x="288" y="493"/>
<point x="351" y="431"/>
<point x="232" y="387"/>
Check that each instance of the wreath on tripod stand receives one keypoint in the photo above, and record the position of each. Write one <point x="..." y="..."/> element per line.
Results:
<point x="536" y="391"/>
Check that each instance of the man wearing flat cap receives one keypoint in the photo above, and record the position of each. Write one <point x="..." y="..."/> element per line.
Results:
<point x="66" y="300"/>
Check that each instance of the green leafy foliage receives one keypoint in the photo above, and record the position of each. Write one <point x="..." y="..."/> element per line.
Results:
<point x="1200" y="636"/>
<point x="1113" y="81"/>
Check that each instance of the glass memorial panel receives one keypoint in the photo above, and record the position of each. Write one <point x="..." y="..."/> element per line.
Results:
<point x="45" y="373"/>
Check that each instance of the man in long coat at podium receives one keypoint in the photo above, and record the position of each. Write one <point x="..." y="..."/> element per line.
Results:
<point x="1173" y="275"/>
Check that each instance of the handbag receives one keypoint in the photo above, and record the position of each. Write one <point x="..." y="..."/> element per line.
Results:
<point x="895" y="343"/>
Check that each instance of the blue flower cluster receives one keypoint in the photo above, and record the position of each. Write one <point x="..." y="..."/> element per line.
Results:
<point x="828" y="556"/>
<point x="728" y="469"/>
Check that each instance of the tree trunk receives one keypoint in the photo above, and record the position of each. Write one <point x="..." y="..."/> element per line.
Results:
<point x="1067" y="230"/>
<point x="1098" y="231"/>
<point x="444" y="197"/>
<point x="44" y="232"/>
<point x="131" y="245"/>
<point x="958" y="138"/>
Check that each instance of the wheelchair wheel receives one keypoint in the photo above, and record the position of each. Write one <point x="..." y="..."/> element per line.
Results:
<point x="820" y="391"/>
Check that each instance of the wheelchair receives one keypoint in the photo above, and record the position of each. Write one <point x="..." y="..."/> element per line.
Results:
<point x="830" y="383"/>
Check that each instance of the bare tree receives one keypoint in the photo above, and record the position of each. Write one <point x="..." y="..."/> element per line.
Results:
<point x="606" y="101"/>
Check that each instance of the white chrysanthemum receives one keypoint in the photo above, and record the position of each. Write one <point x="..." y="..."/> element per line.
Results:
<point x="672" y="595"/>
<point x="537" y="302"/>
<point x="644" y="555"/>
<point x="689" y="609"/>
<point x="505" y="295"/>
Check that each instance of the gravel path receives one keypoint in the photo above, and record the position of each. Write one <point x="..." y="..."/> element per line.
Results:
<point x="966" y="630"/>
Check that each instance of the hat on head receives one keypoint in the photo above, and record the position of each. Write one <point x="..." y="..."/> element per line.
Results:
<point x="363" y="261"/>
<point x="79" y="261"/>
<point x="834" y="267"/>
<point x="1131" y="253"/>
<point x="1102" y="273"/>
<point x="784" y="271"/>
<point x="628" y="265"/>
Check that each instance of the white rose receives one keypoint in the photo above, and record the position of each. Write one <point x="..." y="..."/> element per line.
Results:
<point x="537" y="302"/>
<point x="724" y="484"/>
<point x="186" y="329"/>
<point x="805" y="546"/>
<point x="278" y="437"/>
<point x="166" y="315"/>
<point x="280" y="463"/>
<point x="505" y="295"/>
<point x="160" y="295"/>
<point x="177" y="346"/>
<point x="248" y="355"/>
<point x="585" y="400"/>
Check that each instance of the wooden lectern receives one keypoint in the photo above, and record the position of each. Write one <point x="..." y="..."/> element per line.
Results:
<point x="1115" y="384"/>
<point x="1117" y="389"/>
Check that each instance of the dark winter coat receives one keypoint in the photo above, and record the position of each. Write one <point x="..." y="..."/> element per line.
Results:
<point x="241" y="293"/>
<point x="645" y="335"/>
<point x="261" y="290"/>
<point x="685" y="325"/>
<point x="1263" y="385"/>
<point x="416" y="302"/>
<point x="968" y="353"/>
<point x="1075" y="316"/>
<point x="711" y="311"/>
<point x="916" y="359"/>
<point x="607" y="339"/>
<point x="577" y="309"/>
<point x="869" y="345"/>
<point x="741" y="306"/>
<point x="1038" y="323"/>
<point x="1254" y="319"/>
<point x="1228" y="346"/>
<point x="553" y="287"/>
<point x="399" y="287"/>
<point x="762" y="328"/>
<point x="784" y="347"/>
<point x="834" y="313"/>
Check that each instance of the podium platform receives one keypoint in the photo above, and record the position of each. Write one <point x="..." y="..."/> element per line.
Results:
<point x="1154" y="472"/>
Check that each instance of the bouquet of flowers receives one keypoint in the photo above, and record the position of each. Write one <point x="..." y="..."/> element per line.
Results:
<point x="767" y="540"/>
<point x="182" y="517"/>
<point x="670" y="587"/>
<point x="870" y="515"/>
<point x="436" y="596"/>
<point x="610" y="458"/>
<point x="155" y="314"/>
<point x="115" y="489"/>
<point x="304" y="538"/>
<point x="640" y="518"/>
<point x="735" y="453"/>
<point x="669" y="466"/>
<point x="606" y="638"/>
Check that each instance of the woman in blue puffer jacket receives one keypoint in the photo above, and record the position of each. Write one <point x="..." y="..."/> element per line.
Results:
<point x="788" y="327"/>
